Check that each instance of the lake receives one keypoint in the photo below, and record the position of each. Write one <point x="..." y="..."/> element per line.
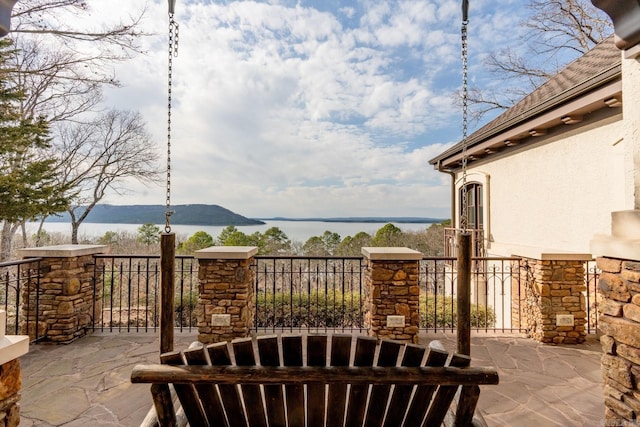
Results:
<point x="299" y="231"/>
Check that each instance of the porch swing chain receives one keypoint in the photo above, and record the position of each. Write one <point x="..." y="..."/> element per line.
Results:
<point x="173" y="51"/>
<point x="464" y="220"/>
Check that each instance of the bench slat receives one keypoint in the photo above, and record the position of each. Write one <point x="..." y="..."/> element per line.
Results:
<point x="269" y="352"/>
<point x="164" y="405"/>
<point x="292" y="356"/>
<point x="365" y="353"/>
<point x="207" y="393"/>
<point x="251" y="395"/>
<point x="466" y="406"/>
<point x="419" y="404"/>
<point x="186" y="393"/>
<point x="316" y="393"/>
<point x="401" y="397"/>
<point x="337" y="394"/>
<point x="219" y="355"/>
<point x="444" y="395"/>
<point x="388" y="356"/>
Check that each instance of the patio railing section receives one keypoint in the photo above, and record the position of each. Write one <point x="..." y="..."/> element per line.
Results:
<point x="15" y="277"/>
<point x="129" y="287"/>
<point x="316" y="294"/>
<point x="308" y="293"/>
<point x="491" y="299"/>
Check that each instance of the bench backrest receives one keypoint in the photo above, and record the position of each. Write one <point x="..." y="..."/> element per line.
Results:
<point x="315" y="381"/>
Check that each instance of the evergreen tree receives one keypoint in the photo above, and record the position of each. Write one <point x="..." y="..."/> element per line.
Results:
<point x="275" y="242"/>
<point x="149" y="234"/>
<point x="28" y="179"/>
<point x="388" y="235"/>
<point x="199" y="240"/>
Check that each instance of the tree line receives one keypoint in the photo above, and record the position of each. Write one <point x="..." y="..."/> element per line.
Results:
<point x="272" y="241"/>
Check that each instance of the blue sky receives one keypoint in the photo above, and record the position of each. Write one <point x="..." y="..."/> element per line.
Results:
<point x="307" y="108"/>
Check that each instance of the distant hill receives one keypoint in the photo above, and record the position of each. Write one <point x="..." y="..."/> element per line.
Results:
<point x="154" y="214"/>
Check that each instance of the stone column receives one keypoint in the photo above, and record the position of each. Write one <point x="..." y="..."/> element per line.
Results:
<point x="11" y="347"/>
<point x="391" y="293"/>
<point x="226" y="304"/>
<point x="550" y="295"/>
<point x="66" y="303"/>
<point x="10" y="385"/>
<point x="618" y="256"/>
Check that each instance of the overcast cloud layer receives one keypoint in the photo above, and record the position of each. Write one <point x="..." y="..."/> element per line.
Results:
<point x="308" y="108"/>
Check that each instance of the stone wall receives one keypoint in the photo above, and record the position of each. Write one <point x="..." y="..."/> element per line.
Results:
<point x="391" y="289"/>
<point x="619" y="324"/>
<point x="226" y="286"/>
<point x="10" y="385"/>
<point x="68" y="301"/>
<point x="545" y="290"/>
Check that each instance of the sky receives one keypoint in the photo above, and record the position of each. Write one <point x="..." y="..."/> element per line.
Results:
<point x="308" y="108"/>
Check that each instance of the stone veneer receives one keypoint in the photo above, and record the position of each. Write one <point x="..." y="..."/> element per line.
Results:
<point x="11" y="348"/>
<point x="10" y="385"/>
<point x="225" y="287"/>
<point x="391" y="289"/>
<point x="618" y="258"/>
<point x="619" y="325"/>
<point x="68" y="302"/>
<point x="544" y="289"/>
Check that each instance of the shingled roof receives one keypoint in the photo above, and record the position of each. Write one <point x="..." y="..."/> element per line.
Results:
<point x="597" y="67"/>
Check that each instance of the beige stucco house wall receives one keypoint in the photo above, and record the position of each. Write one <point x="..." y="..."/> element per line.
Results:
<point x="553" y="194"/>
<point x="554" y="166"/>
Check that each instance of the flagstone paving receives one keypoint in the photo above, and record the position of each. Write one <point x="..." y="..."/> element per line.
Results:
<point x="87" y="382"/>
<point x="540" y="385"/>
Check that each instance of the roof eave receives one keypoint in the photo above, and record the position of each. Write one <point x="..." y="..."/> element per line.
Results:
<point x="609" y="79"/>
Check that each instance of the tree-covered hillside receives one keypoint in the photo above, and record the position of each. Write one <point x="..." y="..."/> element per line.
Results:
<point x="154" y="214"/>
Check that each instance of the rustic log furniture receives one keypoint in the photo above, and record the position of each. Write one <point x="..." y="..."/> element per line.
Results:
<point x="315" y="380"/>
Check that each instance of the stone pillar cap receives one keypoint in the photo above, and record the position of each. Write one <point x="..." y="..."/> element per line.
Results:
<point x="62" y="251"/>
<point x="624" y="241"/>
<point x="11" y="346"/>
<point x="397" y="254"/>
<point x="226" y="252"/>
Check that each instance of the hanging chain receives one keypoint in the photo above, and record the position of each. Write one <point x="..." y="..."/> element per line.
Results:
<point x="464" y="220"/>
<point x="173" y="51"/>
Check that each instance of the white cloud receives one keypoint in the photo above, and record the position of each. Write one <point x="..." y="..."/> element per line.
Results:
<point x="282" y="109"/>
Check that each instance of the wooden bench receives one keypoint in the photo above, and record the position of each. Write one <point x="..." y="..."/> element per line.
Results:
<point x="315" y="380"/>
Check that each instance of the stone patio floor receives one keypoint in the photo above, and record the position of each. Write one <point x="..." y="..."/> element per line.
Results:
<point x="87" y="382"/>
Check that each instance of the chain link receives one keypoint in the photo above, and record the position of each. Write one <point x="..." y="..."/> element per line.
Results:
<point x="464" y="220"/>
<point x="173" y="51"/>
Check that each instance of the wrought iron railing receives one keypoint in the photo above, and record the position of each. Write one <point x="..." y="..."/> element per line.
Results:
<point x="15" y="278"/>
<point x="291" y="293"/>
<point x="310" y="293"/>
<point x="491" y="300"/>
<point x="128" y="293"/>
<point x="592" y="297"/>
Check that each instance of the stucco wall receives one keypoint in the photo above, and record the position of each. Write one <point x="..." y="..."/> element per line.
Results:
<point x="554" y="194"/>
<point x="630" y="97"/>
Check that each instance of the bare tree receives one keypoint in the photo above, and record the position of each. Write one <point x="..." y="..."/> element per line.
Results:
<point x="62" y="60"/>
<point x="61" y="67"/>
<point x="102" y="155"/>
<point x="559" y="31"/>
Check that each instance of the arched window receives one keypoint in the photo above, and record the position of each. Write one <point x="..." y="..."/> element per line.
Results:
<point x="475" y="220"/>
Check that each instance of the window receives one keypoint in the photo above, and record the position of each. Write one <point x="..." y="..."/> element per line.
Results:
<point x="475" y="220"/>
